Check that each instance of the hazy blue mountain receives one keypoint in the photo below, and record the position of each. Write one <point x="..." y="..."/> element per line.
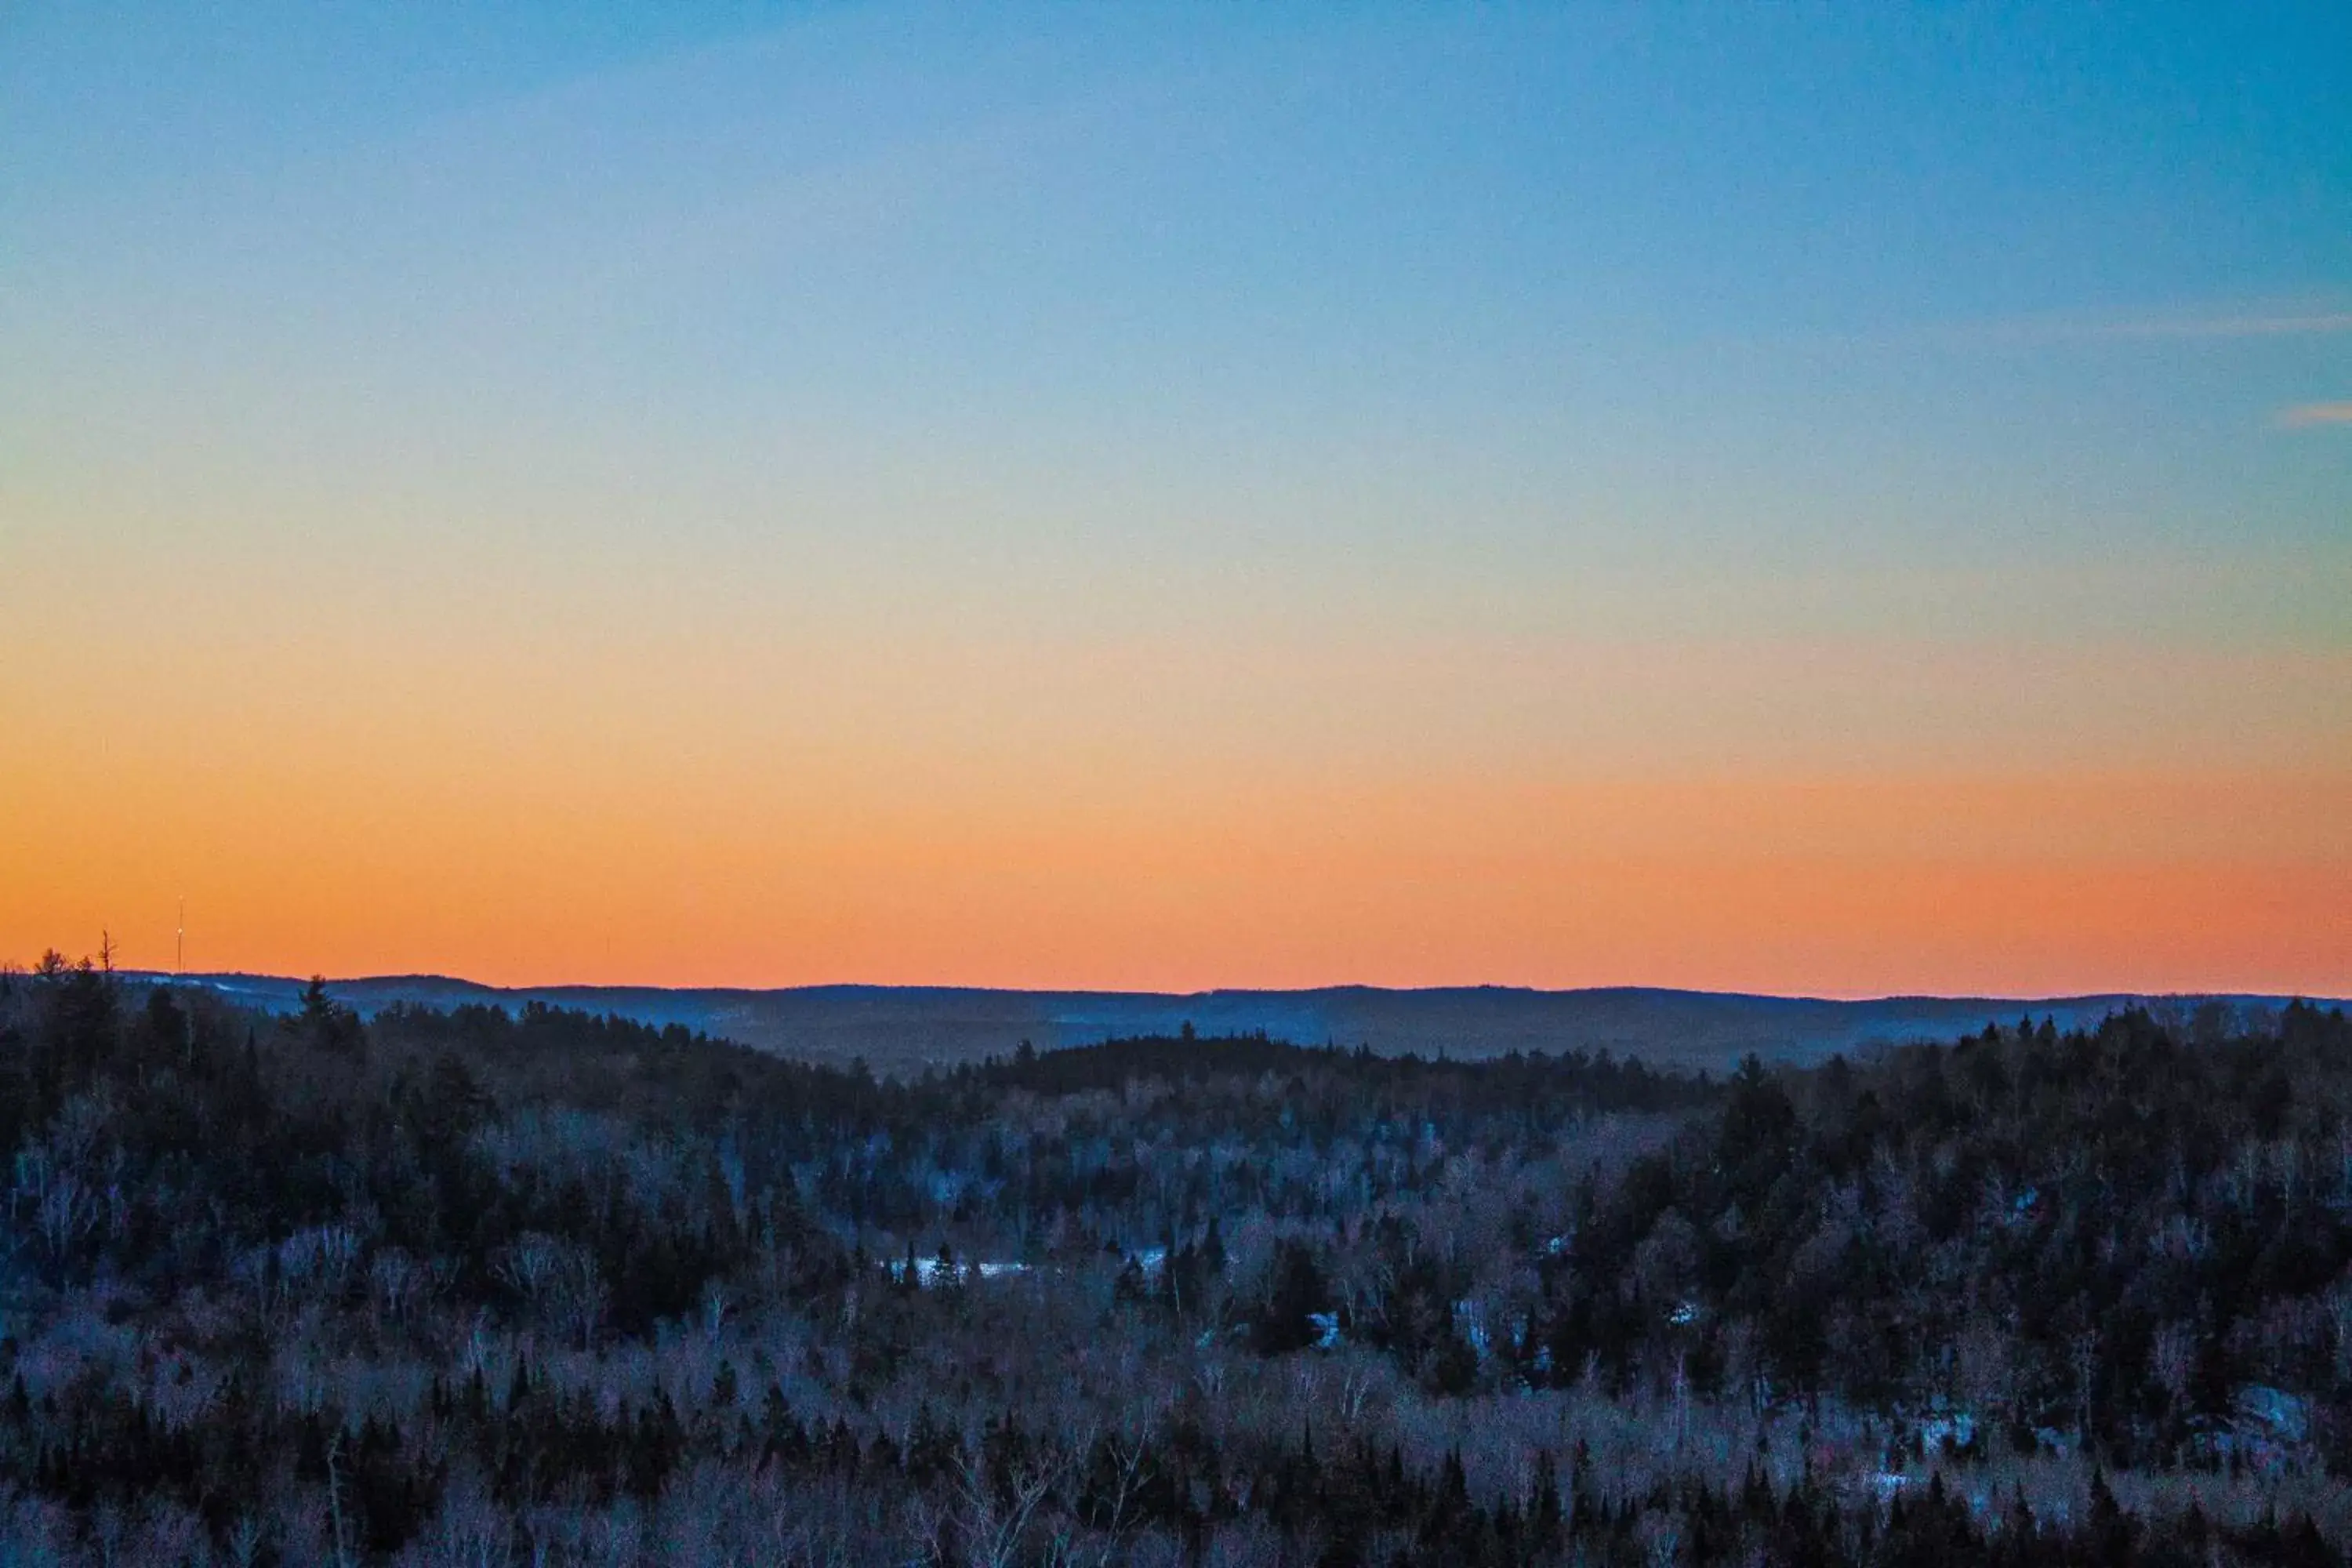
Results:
<point x="892" y="1025"/>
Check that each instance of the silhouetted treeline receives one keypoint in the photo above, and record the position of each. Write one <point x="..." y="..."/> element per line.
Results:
<point x="469" y="1287"/>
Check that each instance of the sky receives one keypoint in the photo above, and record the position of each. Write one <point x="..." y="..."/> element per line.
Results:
<point x="1837" y="501"/>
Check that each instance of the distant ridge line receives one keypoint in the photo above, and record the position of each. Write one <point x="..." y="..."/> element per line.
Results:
<point x="837" y="987"/>
<point x="897" y="1027"/>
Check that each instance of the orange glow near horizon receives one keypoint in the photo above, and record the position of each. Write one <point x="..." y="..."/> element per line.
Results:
<point x="693" y="796"/>
<point x="1852" y="887"/>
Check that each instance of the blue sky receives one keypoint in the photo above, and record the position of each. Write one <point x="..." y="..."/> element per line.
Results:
<point x="2004" y="275"/>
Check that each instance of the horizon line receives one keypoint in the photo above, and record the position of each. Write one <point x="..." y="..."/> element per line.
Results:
<point x="1859" y="999"/>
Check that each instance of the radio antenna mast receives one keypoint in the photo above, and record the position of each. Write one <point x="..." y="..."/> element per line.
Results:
<point x="179" y="941"/>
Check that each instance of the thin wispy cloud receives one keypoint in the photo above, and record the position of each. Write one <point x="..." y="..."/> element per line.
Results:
<point x="2215" y="326"/>
<point x="2311" y="415"/>
<point x="2281" y="325"/>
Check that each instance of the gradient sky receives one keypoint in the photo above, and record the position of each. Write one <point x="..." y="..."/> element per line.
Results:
<point x="1835" y="501"/>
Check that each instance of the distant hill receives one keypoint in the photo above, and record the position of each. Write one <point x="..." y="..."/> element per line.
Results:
<point x="894" y="1026"/>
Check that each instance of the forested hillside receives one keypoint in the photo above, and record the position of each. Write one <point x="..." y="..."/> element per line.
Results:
<point x="471" y="1288"/>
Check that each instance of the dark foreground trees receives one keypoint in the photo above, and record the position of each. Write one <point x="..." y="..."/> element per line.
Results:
<point x="472" y="1288"/>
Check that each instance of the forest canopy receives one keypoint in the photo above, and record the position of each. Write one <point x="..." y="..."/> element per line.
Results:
<point x="546" y="1287"/>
